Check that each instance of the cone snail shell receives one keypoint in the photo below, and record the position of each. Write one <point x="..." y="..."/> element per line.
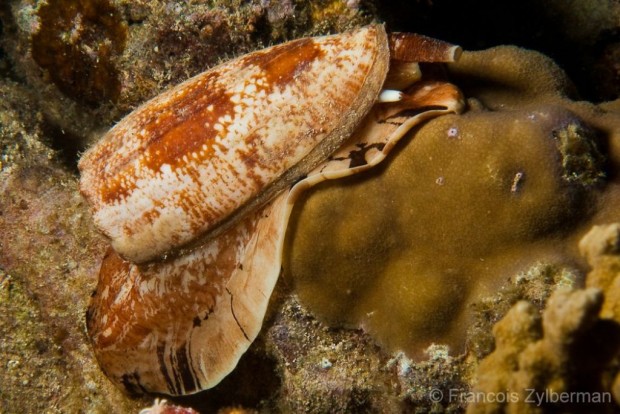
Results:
<point x="194" y="188"/>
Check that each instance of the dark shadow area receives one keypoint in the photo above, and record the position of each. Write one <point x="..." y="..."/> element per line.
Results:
<point x="252" y="381"/>
<point x="67" y="145"/>
<point x="480" y="24"/>
<point x="6" y="67"/>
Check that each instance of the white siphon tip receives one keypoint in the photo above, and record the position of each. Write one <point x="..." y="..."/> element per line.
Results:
<point x="455" y="53"/>
<point x="390" y="95"/>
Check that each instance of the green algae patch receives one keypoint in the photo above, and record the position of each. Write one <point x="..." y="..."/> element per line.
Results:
<point x="471" y="199"/>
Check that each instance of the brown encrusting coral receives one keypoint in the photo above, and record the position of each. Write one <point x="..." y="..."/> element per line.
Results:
<point x="469" y="201"/>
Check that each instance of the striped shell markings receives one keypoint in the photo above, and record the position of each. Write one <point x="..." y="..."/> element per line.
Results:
<point x="195" y="187"/>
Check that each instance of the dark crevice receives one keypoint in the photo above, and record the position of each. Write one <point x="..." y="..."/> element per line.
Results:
<point x="481" y="24"/>
<point x="67" y="145"/>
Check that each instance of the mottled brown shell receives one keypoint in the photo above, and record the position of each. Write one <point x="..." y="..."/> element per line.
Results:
<point x="202" y="155"/>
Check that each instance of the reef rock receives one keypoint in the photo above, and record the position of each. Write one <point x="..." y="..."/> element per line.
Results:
<point x="549" y="362"/>
<point x="49" y="256"/>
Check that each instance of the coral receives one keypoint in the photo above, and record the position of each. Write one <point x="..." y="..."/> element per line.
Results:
<point x="537" y="359"/>
<point x="469" y="201"/>
<point x="78" y="43"/>
<point x="581" y="35"/>
<point x="601" y="248"/>
<point x="572" y="350"/>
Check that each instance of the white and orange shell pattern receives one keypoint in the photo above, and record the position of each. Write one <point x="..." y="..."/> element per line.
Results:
<point x="195" y="187"/>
